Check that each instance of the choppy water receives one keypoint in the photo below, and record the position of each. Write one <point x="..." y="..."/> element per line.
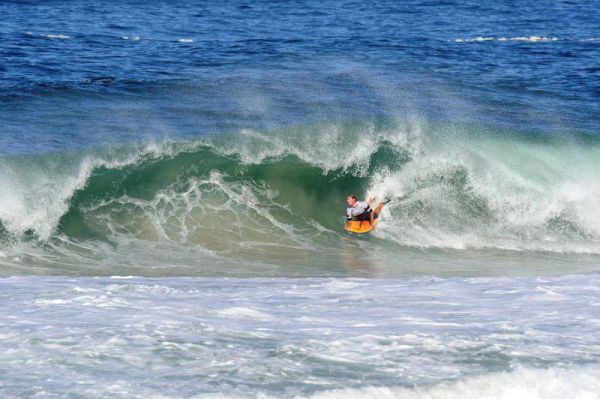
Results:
<point x="208" y="149"/>
<point x="187" y="337"/>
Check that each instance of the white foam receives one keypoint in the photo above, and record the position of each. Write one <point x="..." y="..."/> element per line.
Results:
<point x="57" y="36"/>
<point x="475" y="39"/>
<point x="532" y="39"/>
<point x="131" y="38"/>
<point x="49" y="302"/>
<point x="545" y="196"/>
<point x="336" y="285"/>
<point x="241" y="312"/>
<point x="375" y="340"/>
<point x="185" y="40"/>
<point x="554" y="383"/>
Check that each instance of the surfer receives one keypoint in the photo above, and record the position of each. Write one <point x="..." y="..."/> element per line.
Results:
<point x="361" y="210"/>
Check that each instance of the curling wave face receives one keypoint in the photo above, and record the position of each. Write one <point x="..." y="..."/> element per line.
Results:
<point x="276" y="197"/>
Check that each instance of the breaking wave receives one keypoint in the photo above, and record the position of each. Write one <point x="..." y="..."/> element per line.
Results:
<point x="453" y="186"/>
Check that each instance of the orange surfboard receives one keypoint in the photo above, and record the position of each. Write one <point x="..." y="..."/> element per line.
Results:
<point x="364" y="226"/>
<point x="360" y="227"/>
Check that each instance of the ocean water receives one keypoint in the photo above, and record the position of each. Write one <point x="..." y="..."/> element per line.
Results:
<point x="421" y="337"/>
<point x="173" y="179"/>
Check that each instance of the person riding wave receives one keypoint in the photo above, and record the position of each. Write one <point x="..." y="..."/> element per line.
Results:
<point x="361" y="210"/>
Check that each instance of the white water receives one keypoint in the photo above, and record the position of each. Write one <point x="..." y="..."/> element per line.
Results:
<point x="554" y="383"/>
<point x="319" y="338"/>
<point x="530" y="39"/>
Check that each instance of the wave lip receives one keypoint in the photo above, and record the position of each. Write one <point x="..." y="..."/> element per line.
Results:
<point x="38" y="189"/>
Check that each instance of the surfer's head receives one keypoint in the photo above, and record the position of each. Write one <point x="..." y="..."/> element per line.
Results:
<point x="351" y="200"/>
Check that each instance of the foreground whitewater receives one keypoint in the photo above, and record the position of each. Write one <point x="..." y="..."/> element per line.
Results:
<point x="319" y="338"/>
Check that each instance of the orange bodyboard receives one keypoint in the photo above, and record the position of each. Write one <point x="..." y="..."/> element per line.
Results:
<point x="360" y="227"/>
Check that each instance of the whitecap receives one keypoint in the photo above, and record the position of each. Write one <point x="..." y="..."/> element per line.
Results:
<point x="57" y="36"/>
<point x="475" y="39"/>
<point x="534" y="39"/>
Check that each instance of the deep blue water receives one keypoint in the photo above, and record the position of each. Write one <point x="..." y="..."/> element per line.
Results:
<point x="79" y="74"/>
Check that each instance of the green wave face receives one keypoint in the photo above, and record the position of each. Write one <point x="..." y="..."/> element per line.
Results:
<point x="171" y="198"/>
